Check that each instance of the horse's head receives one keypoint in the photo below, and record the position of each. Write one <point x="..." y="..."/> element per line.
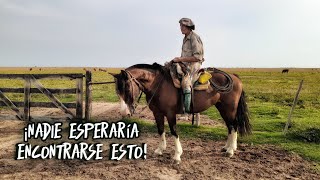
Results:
<point x="127" y="88"/>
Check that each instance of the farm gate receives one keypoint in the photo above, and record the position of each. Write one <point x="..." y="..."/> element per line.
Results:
<point x="33" y="79"/>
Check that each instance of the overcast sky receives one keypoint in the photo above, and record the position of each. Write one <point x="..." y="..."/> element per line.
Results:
<point x="120" y="33"/>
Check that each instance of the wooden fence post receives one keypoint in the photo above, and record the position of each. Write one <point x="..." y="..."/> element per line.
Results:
<point x="79" y="104"/>
<point x="88" y="95"/>
<point x="27" y="87"/>
<point x="292" y="108"/>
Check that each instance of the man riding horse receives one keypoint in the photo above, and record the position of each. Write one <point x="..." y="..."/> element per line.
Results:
<point x="164" y="100"/>
<point x="191" y="57"/>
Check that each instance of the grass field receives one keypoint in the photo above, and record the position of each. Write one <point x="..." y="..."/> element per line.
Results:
<point x="270" y="96"/>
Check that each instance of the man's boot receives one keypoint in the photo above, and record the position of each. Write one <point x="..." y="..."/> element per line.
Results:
<point x="186" y="85"/>
<point x="187" y="99"/>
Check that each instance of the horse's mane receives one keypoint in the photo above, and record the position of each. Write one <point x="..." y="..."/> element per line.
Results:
<point x="155" y="67"/>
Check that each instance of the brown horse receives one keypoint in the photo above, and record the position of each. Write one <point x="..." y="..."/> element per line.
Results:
<point x="164" y="100"/>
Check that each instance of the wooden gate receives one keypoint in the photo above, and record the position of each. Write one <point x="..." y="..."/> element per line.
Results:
<point x="32" y="79"/>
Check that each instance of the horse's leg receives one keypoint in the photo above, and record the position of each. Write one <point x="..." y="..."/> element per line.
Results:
<point x="228" y="113"/>
<point x="231" y="143"/>
<point x="232" y="140"/>
<point x="178" y="149"/>
<point x="197" y="119"/>
<point x="160" y="125"/>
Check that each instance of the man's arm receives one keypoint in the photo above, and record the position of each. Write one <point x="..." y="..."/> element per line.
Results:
<point x="185" y="59"/>
<point x="197" y="51"/>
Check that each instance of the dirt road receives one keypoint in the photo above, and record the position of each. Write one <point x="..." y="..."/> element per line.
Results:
<point x="201" y="159"/>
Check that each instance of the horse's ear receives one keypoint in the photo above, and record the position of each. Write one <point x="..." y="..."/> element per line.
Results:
<point x="124" y="73"/>
<point x="113" y="74"/>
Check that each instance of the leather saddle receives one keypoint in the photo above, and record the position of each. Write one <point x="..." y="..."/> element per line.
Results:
<point x="176" y="71"/>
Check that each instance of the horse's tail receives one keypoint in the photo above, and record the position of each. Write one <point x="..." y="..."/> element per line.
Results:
<point x="242" y="116"/>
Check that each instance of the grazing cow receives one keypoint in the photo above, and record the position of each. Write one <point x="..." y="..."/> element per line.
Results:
<point x="30" y="69"/>
<point x="285" y="71"/>
<point x="102" y="70"/>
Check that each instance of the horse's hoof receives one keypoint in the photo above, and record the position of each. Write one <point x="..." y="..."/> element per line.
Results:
<point x="229" y="154"/>
<point x="183" y="117"/>
<point x="177" y="161"/>
<point x="158" y="152"/>
<point x="223" y="149"/>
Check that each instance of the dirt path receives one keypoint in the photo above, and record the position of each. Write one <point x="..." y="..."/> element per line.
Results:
<point x="201" y="159"/>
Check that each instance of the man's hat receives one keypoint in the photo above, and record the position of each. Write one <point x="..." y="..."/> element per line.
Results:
<point x="187" y="22"/>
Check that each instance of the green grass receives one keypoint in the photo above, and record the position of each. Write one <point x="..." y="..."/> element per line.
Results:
<point x="186" y="130"/>
<point x="269" y="95"/>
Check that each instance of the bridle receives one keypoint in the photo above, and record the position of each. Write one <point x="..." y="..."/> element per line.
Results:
<point x="132" y="80"/>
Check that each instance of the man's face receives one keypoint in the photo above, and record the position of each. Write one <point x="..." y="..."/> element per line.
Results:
<point x="184" y="29"/>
